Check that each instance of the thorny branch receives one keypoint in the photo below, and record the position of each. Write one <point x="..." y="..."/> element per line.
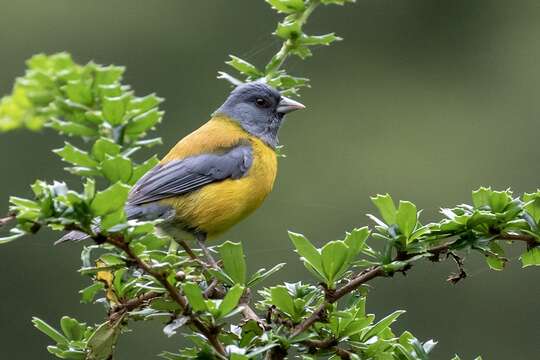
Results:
<point x="379" y="271"/>
<point x="209" y="331"/>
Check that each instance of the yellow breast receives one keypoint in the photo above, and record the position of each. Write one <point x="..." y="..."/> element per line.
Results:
<point x="218" y="206"/>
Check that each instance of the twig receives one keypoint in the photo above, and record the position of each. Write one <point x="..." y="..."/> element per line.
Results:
<point x="378" y="271"/>
<point x="210" y="332"/>
<point x="132" y="304"/>
<point x="338" y="294"/>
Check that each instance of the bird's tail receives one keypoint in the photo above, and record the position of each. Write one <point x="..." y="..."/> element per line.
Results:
<point x="146" y="213"/>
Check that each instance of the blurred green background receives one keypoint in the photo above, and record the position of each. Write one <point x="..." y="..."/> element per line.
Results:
<point x="426" y="100"/>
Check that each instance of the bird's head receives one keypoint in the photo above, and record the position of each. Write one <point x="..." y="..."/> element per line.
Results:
<point x="259" y="109"/>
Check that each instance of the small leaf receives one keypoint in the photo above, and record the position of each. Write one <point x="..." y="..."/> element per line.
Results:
<point x="71" y="128"/>
<point x="287" y="6"/>
<point x="406" y="218"/>
<point x="281" y="298"/>
<point x="306" y="250"/>
<point x="144" y="122"/>
<point x="531" y="257"/>
<point x="114" y="109"/>
<point x="75" y="156"/>
<point x="234" y="262"/>
<point x="118" y="168"/>
<point x="532" y="205"/>
<point x="49" y="331"/>
<point x="244" y="67"/>
<point x="88" y="293"/>
<point x="194" y="294"/>
<point x="102" y="342"/>
<point x="262" y="274"/>
<point x="15" y="234"/>
<point x="72" y="328"/>
<point x="103" y="147"/>
<point x="110" y="199"/>
<point x="356" y="240"/>
<point x="335" y="256"/>
<point x="382" y="324"/>
<point x="386" y="207"/>
<point x="231" y="300"/>
<point x="313" y="40"/>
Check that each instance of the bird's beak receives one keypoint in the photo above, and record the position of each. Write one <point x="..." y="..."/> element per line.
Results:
<point x="287" y="105"/>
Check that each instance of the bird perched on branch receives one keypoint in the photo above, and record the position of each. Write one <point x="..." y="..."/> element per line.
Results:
<point x="220" y="173"/>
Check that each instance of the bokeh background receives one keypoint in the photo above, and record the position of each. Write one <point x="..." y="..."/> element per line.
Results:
<point x="426" y="100"/>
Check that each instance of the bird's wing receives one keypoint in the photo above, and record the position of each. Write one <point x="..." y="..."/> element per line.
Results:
<point x="179" y="177"/>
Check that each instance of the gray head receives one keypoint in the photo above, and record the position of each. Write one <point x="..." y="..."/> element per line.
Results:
<point x="259" y="109"/>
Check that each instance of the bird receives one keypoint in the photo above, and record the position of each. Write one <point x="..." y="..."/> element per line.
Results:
<point x="217" y="175"/>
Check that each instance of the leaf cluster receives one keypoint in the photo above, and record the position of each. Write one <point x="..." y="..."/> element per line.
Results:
<point x="295" y="42"/>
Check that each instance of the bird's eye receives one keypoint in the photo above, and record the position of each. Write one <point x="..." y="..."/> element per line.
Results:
<point x="262" y="103"/>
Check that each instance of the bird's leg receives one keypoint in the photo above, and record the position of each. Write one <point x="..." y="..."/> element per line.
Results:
<point x="201" y="238"/>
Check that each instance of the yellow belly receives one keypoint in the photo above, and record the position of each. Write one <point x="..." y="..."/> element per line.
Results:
<point x="216" y="207"/>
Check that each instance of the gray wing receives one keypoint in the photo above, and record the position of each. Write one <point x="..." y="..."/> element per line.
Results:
<point x="184" y="176"/>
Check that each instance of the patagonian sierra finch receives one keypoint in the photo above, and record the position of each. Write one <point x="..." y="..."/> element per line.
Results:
<point x="217" y="175"/>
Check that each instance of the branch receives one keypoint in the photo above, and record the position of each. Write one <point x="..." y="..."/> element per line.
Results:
<point x="378" y="271"/>
<point x="132" y="304"/>
<point x="278" y="60"/>
<point x="210" y="332"/>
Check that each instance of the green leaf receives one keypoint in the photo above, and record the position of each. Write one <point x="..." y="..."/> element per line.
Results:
<point x="112" y="219"/>
<point x="289" y="28"/>
<point x="194" y="294"/>
<point x="231" y="300"/>
<point x="262" y="274"/>
<point x="118" y="168"/>
<point x="281" y="298"/>
<point x="313" y="40"/>
<point x="406" y="217"/>
<point x="88" y="293"/>
<point x="335" y="256"/>
<point x="71" y="128"/>
<point x="221" y="276"/>
<point x="244" y="67"/>
<point x="110" y="199"/>
<point x="102" y="342"/>
<point x="114" y="109"/>
<point x="287" y="6"/>
<point x="144" y="122"/>
<point x="532" y="205"/>
<point x="496" y="261"/>
<point x="89" y="189"/>
<point x="356" y="240"/>
<point x="79" y="91"/>
<point x="382" y="324"/>
<point x="75" y="156"/>
<point x="106" y="75"/>
<point x="15" y="234"/>
<point x="531" y="257"/>
<point x="72" y="328"/>
<point x="140" y="105"/>
<point x="49" y="331"/>
<point x="103" y="147"/>
<point x="386" y="207"/>
<point x="307" y="251"/>
<point x="234" y="262"/>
